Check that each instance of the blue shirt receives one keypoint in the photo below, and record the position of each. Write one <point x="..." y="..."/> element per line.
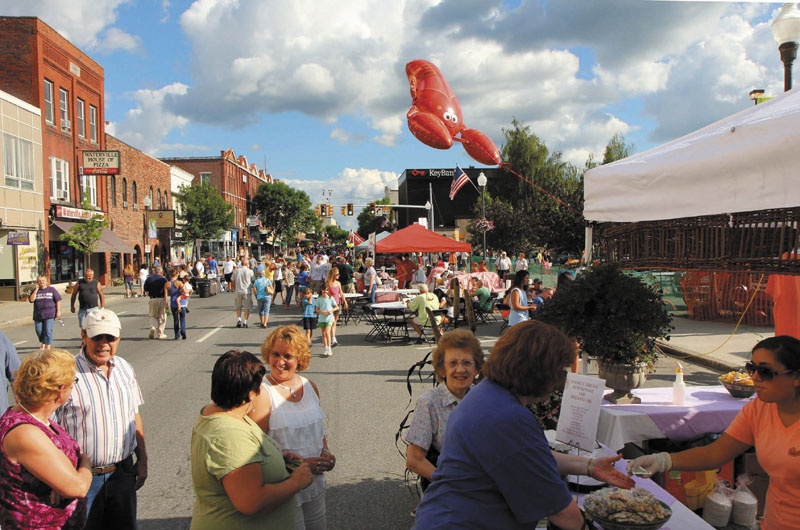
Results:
<point x="325" y="304"/>
<point x="495" y="470"/>
<point x="212" y="265"/>
<point x="302" y="278"/>
<point x="10" y="361"/>
<point x="261" y="285"/>
<point x="309" y="309"/>
<point x="514" y="316"/>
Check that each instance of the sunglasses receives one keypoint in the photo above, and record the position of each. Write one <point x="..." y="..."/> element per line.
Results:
<point x="765" y="373"/>
<point x="104" y="337"/>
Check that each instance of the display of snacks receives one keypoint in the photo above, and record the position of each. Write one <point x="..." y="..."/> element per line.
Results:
<point x="634" y="509"/>
<point x="738" y="384"/>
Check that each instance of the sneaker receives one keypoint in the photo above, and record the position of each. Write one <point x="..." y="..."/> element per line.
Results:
<point x="327" y="352"/>
<point x="420" y="340"/>
<point x="244" y="324"/>
<point x="152" y="333"/>
<point x="335" y="342"/>
<point x="239" y="324"/>
<point x="164" y="336"/>
<point x="183" y="336"/>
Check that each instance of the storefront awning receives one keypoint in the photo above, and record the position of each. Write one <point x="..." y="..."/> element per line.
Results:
<point x="109" y="241"/>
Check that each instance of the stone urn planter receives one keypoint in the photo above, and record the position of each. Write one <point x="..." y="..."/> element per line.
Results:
<point x="622" y="378"/>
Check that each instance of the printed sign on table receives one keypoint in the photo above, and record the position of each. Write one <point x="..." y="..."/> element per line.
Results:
<point x="580" y="410"/>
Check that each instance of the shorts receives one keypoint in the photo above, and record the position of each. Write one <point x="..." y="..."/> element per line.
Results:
<point x="349" y="288"/>
<point x="278" y="286"/>
<point x="242" y="301"/>
<point x="229" y="277"/>
<point x="323" y="325"/>
<point x="309" y="323"/>
<point x="264" y="305"/>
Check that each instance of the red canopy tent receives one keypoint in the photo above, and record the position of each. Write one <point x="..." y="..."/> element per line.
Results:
<point x="417" y="238"/>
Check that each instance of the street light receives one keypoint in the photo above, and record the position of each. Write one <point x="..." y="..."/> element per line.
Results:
<point x="482" y="184"/>
<point x="148" y="203"/>
<point x="786" y="30"/>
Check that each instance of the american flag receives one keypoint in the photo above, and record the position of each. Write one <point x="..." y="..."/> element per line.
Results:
<point x="459" y="179"/>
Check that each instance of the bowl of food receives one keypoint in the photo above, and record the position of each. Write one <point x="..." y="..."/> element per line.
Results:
<point x="739" y="384"/>
<point x="618" y="509"/>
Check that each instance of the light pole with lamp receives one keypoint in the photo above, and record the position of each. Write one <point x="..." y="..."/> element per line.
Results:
<point x="148" y="203"/>
<point x="786" y="30"/>
<point x="482" y="184"/>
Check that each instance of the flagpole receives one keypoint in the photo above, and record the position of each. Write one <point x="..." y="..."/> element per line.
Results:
<point x="430" y="192"/>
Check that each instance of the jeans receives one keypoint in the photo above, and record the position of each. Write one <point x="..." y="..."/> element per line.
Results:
<point x="264" y="305"/>
<point x="82" y="314"/>
<point x="129" y="286"/>
<point x="179" y="321"/>
<point x="288" y="297"/>
<point x="311" y="515"/>
<point x="44" y="330"/>
<point x="112" y="499"/>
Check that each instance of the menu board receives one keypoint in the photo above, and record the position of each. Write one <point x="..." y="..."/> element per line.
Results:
<point x="580" y="411"/>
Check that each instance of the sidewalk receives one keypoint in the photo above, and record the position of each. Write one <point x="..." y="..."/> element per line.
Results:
<point x="21" y="313"/>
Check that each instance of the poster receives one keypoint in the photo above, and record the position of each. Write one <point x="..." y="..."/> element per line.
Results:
<point x="19" y="238"/>
<point x="28" y="259"/>
<point x="580" y="410"/>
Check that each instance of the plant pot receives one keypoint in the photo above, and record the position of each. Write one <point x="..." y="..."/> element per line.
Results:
<point x="622" y="378"/>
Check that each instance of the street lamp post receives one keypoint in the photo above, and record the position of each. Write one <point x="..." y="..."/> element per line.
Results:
<point x="482" y="184"/>
<point x="786" y="30"/>
<point x="148" y="203"/>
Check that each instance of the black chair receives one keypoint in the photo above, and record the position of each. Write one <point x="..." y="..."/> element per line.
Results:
<point x="395" y="324"/>
<point x="487" y="315"/>
<point x="376" y="321"/>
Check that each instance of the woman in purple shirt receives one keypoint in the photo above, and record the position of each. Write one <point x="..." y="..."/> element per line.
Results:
<point x="46" y="309"/>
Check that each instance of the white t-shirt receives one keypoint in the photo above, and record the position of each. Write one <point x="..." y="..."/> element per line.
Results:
<point x="243" y="280"/>
<point x="228" y="266"/>
<point x="200" y="268"/>
<point x="143" y="274"/>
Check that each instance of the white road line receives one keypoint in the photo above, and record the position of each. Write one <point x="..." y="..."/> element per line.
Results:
<point x="121" y="312"/>
<point x="20" y="342"/>
<point x="204" y="337"/>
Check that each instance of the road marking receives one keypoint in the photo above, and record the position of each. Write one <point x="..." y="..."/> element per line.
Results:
<point x="121" y="312"/>
<point x="204" y="337"/>
<point x="20" y="342"/>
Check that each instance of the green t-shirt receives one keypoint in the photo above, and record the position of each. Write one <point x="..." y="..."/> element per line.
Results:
<point x="221" y="444"/>
<point x="484" y="295"/>
<point x="421" y="302"/>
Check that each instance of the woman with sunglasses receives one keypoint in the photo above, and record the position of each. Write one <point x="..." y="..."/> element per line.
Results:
<point x="770" y="423"/>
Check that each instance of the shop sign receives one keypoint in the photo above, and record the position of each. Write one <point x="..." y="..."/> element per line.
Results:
<point x="177" y="235"/>
<point x="19" y="238"/>
<point x="100" y="162"/>
<point x="28" y="263"/>
<point x="147" y="249"/>
<point x="77" y="213"/>
<point x="161" y="218"/>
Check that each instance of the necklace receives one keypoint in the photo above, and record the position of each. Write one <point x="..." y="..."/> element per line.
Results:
<point x="46" y="423"/>
<point x="289" y="388"/>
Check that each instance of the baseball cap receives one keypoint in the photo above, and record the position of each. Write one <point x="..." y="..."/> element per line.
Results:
<point x="537" y="280"/>
<point x="101" y="321"/>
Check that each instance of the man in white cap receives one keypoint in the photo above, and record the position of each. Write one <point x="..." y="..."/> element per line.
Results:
<point x="102" y="415"/>
<point x="503" y="266"/>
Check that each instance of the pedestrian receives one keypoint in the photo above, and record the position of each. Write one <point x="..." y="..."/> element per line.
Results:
<point x="503" y="265"/>
<point x="127" y="277"/>
<point x="521" y="264"/>
<point x="89" y="295"/>
<point x="242" y="284"/>
<point x="102" y="415"/>
<point x="200" y="267"/>
<point x="335" y="291"/>
<point x="346" y="275"/>
<point x="143" y="274"/>
<point x="325" y="307"/>
<point x="277" y="279"/>
<point x="10" y="361"/>
<point x="227" y="270"/>
<point x="289" y="284"/>
<point x="309" y="314"/>
<point x="173" y="290"/>
<point x="302" y="281"/>
<point x="154" y="285"/>
<point x="317" y="274"/>
<point x="518" y="299"/>
<point x="263" y="291"/>
<point x="46" y="309"/>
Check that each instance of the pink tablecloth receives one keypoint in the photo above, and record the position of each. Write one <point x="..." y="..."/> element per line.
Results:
<point x="707" y="409"/>
<point x="489" y="279"/>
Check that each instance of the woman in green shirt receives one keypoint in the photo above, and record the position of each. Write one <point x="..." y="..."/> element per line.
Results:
<point x="239" y="475"/>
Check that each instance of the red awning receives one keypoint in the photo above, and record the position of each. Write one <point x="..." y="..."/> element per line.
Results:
<point x="417" y="238"/>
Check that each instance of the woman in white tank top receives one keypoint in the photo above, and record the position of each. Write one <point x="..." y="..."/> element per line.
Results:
<point x="288" y="411"/>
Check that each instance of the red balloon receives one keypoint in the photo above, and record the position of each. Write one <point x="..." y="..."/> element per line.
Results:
<point x="435" y="115"/>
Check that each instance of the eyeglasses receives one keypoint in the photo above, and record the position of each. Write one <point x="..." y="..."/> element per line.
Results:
<point x="765" y="373"/>
<point x="105" y="337"/>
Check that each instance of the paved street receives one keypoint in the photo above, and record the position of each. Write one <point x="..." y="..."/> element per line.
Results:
<point x="363" y="393"/>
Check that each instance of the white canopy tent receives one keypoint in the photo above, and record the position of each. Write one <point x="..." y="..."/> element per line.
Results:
<point x="365" y="244"/>
<point x="747" y="161"/>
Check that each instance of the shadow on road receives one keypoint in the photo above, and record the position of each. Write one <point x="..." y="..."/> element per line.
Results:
<point x="174" y="523"/>
<point x="371" y="504"/>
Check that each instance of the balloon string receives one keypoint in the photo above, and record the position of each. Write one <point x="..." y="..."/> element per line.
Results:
<point x="508" y="167"/>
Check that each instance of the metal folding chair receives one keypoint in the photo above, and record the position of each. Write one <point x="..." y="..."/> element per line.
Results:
<point x="377" y="322"/>
<point x="395" y="324"/>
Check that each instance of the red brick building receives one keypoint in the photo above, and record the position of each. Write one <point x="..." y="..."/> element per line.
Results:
<point x="42" y="68"/>
<point x="235" y="179"/>
<point x="141" y="177"/>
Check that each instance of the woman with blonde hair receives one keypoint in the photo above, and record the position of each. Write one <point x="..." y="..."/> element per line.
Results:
<point x="288" y="410"/>
<point x="127" y="277"/>
<point x="44" y="478"/>
<point x="521" y="264"/>
<point x="335" y="291"/>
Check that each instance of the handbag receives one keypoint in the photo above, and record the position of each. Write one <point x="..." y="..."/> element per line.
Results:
<point x="431" y="456"/>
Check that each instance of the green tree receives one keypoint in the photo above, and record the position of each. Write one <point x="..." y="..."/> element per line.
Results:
<point x="205" y="212"/>
<point x="284" y="211"/>
<point x="336" y="235"/>
<point x="617" y="149"/>
<point x="368" y="223"/>
<point x="84" y="237"/>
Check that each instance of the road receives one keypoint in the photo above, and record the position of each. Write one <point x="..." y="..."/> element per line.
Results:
<point x="362" y="389"/>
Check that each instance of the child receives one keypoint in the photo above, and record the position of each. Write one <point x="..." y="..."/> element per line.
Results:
<point x="302" y="282"/>
<point x="184" y="298"/>
<point x="325" y="307"/>
<point x="309" y="313"/>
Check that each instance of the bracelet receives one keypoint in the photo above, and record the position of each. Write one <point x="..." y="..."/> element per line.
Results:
<point x="589" y="467"/>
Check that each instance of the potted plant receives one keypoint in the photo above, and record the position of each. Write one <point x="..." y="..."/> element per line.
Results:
<point x="616" y="318"/>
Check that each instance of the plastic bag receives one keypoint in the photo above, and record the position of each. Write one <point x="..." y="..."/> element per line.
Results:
<point x="718" y="505"/>
<point x="745" y="504"/>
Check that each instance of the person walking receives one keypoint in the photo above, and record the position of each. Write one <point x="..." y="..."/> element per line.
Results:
<point x="289" y="279"/>
<point x="10" y="361"/>
<point x="346" y="275"/>
<point x="127" y="277"/>
<point x="154" y="286"/>
<point x="325" y="307"/>
<point x="242" y="280"/>
<point x="227" y="271"/>
<point x="143" y="274"/>
<point x="277" y="279"/>
<point x="46" y="309"/>
<point x="503" y="265"/>
<point x="263" y="291"/>
<point x="173" y="290"/>
<point x="335" y="292"/>
<point x="89" y="295"/>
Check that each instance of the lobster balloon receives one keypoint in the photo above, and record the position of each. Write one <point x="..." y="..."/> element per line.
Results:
<point x="435" y="116"/>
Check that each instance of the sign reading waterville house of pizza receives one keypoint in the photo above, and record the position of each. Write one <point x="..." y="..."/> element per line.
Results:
<point x="100" y="162"/>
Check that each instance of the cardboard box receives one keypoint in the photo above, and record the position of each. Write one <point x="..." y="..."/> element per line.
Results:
<point x="692" y="487"/>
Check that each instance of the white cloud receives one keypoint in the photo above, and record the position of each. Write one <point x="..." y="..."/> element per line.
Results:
<point x="146" y="125"/>
<point x="115" y="39"/>
<point x="345" y="138"/>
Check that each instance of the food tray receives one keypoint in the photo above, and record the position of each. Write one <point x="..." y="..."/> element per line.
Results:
<point x="738" y="391"/>
<point x="612" y="525"/>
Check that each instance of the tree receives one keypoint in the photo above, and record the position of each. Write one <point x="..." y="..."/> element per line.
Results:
<point x="84" y="237"/>
<point x="617" y="149"/>
<point x="368" y="223"/>
<point x="204" y="210"/>
<point x="284" y="211"/>
<point x="336" y="236"/>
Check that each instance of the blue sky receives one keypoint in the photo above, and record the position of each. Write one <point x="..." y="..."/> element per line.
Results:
<point x="316" y="91"/>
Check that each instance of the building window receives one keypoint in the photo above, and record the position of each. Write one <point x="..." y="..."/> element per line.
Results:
<point x="89" y="187"/>
<point x="113" y="191"/>
<point x="48" y="102"/>
<point x="63" y="103"/>
<point x="152" y="204"/>
<point x="158" y="193"/>
<point x="19" y="162"/>
<point x="93" y="124"/>
<point x="124" y="192"/>
<point x="166" y="201"/>
<point x="80" y="120"/>
<point x="59" y="179"/>
<point x="205" y="178"/>
<point x="135" y="197"/>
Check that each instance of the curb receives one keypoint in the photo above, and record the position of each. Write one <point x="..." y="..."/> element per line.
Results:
<point x="26" y="321"/>
<point x="702" y="360"/>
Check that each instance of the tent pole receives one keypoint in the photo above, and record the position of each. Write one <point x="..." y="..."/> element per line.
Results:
<point x="587" y="245"/>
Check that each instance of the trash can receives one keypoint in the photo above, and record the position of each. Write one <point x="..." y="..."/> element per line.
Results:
<point x="203" y="287"/>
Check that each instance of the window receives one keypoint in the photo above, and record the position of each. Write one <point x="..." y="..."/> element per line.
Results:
<point x="160" y="206"/>
<point x="63" y="103"/>
<point x="112" y="192"/>
<point x="124" y="192"/>
<point x="166" y="201"/>
<point x="19" y="162"/>
<point x="59" y="179"/>
<point x="79" y="118"/>
<point x="89" y="186"/>
<point x="93" y="124"/>
<point x="48" y="102"/>
<point x="205" y="178"/>
<point x="152" y="204"/>
<point x="133" y="189"/>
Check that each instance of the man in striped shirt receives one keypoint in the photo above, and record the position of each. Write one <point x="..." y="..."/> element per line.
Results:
<point x="102" y="415"/>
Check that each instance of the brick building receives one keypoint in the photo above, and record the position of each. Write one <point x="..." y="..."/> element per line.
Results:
<point x="237" y="182"/>
<point x="43" y="69"/>
<point x="141" y="177"/>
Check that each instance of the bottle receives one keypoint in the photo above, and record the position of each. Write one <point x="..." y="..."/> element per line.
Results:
<point x="678" y="387"/>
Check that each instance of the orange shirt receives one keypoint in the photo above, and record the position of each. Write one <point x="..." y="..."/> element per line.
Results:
<point x="778" y="451"/>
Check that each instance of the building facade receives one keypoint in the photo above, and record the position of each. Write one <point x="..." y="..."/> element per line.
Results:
<point x="180" y="249"/>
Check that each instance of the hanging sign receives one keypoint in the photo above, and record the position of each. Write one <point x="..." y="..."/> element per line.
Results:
<point x="19" y="238"/>
<point x="100" y="162"/>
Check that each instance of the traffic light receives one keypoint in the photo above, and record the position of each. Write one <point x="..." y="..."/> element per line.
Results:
<point x="372" y="209"/>
<point x="330" y="210"/>
<point x="316" y="210"/>
<point x="350" y="209"/>
<point x="344" y="210"/>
